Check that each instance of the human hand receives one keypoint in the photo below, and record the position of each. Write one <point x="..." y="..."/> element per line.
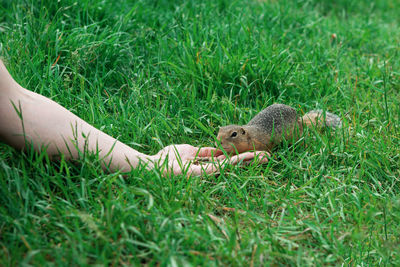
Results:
<point x="196" y="161"/>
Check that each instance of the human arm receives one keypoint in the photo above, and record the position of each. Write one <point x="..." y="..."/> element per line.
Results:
<point x="29" y="118"/>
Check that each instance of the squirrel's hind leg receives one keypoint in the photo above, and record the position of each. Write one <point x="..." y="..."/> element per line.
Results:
<point x="317" y="118"/>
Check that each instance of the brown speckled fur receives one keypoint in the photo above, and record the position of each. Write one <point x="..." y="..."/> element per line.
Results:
<point x="269" y="127"/>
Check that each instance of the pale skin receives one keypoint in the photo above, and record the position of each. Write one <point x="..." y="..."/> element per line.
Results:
<point x="51" y="128"/>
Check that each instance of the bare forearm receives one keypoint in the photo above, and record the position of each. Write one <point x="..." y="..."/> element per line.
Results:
<point x="29" y="117"/>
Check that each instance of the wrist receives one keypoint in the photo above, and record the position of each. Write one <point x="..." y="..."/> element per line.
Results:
<point x="148" y="161"/>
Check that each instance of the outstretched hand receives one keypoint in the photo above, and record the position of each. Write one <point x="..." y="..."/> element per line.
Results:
<point x="197" y="161"/>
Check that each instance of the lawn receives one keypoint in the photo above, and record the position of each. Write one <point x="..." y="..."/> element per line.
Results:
<point x="157" y="72"/>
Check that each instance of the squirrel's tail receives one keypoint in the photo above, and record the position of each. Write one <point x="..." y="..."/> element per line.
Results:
<point x="318" y="118"/>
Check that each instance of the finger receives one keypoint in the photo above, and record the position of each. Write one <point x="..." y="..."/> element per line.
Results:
<point x="218" y="152"/>
<point x="187" y="167"/>
<point x="262" y="156"/>
<point x="199" y="170"/>
<point x="245" y="158"/>
<point x="222" y="157"/>
<point x="209" y="152"/>
<point x="241" y="157"/>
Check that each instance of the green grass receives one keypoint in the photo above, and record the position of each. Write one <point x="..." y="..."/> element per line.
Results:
<point x="154" y="73"/>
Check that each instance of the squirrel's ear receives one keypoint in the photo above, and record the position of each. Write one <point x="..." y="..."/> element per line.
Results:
<point x="242" y="131"/>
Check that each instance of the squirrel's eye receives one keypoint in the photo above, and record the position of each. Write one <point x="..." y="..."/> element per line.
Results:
<point x="233" y="134"/>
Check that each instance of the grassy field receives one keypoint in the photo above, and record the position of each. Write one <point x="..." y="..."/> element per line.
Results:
<point x="154" y="73"/>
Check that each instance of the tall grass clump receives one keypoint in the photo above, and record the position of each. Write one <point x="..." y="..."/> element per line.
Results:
<point x="156" y="72"/>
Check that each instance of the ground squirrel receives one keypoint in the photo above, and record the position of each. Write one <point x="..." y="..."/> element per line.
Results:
<point x="269" y="127"/>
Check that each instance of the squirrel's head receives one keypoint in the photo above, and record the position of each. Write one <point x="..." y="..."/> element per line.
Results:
<point x="233" y="138"/>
